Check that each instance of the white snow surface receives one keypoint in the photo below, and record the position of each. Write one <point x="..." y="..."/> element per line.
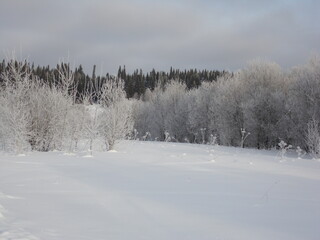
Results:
<point x="154" y="190"/>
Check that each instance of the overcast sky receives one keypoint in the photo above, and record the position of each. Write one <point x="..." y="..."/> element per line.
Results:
<point x="160" y="33"/>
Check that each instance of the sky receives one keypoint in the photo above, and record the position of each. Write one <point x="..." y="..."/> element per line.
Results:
<point x="146" y="34"/>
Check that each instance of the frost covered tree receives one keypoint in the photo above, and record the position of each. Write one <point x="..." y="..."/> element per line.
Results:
<point x="116" y="123"/>
<point x="264" y="88"/>
<point x="48" y="112"/>
<point x="226" y="111"/>
<point x="92" y="122"/>
<point x="34" y="111"/>
<point x="14" y="108"/>
<point x="165" y="109"/>
<point x="77" y="118"/>
<point x="199" y="117"/>
<point x="116" y="120"/>
<point x="143" y="119"/>
<point x="313" y="138"/>
<point x="303" y="102"/>
<point x="154" y="113"/>
<point x="270" y="103"/>
<point x="67" y="87"/>
<point x="14" y="123"/>
<point x="112" y="92"/>
<point x="175" y="111"/>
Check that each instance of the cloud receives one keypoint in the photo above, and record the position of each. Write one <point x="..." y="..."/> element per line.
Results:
<point x="158" y="34"/>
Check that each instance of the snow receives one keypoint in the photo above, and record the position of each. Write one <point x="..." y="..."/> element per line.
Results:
<point x="156" y="190"/>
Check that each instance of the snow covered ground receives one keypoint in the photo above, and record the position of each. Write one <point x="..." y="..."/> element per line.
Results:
<point x="153" y="190"/>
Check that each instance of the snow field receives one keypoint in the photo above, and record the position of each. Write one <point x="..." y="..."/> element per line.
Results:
<point x="156" y="190"/>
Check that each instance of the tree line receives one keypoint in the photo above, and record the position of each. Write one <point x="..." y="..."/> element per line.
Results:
<point x="258" y="106"/>
<point x="135" y="83"/>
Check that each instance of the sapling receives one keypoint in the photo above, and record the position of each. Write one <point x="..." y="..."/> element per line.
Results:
<point x="300" y="152"/>
<point x="213" y="139"/>
<point x="212" y="142"/>
<point x="195" y="138"/>
<point x="284" y="147"/>
<point x="203" y="133"/>
<point x="244" y="135"/>
<point x="167" y="137"/>
<point x="146" y="137"/>
<point x="135" y="134"/>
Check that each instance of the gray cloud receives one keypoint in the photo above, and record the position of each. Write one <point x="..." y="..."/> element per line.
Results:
<point x="151" y="33"/>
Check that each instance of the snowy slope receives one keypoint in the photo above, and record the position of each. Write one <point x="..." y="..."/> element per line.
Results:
<point x="150" y="190"/>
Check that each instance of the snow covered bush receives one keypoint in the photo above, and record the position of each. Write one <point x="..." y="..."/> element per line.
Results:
<point x="284" y="147"/>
